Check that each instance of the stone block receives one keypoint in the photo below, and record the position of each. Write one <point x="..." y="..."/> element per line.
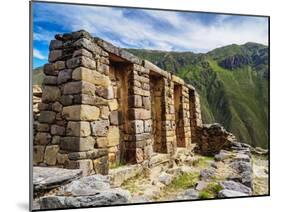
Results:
<point x="135" y="101"/>
<point x="51" y="152"/>
<point x="55" y="139"/>
<point x="81" y="61"/>
<point x="139" y="113"/>
<point x="104" y="112"/>
<point x="55" y="55"/>
<point x="42" y="127"/>
<point x="113" y="136"/>
<point x="103" y="68"/>
<point x="139" y="155"/>
<point x="79" y="87"/>
<point x="55" y="44"/>
<point x="50" y="80"/>
<point x="64" y="76"/>
<point x="81" y="128"/>
<point x="89" y="100"/>
<point x="148" y="126"/>
<point x="81" y="112"/>
<point x="57" y="130"/>
<point x="85" y="165"/>
<point x="66" y="100"/>
<point x="101" y="165"/>
<point x="113" y="104"/>
<point x="42" y="138"/>
<point x="101" y="142"/>
<point x="91" y="76"/>
<point x="82" y="52"/>
<point x="62" y="158"/>
<point x="77" y="144"/>
<point x="105" y="92"/>
<point x="100" y="127"/>
<point x="115" y="118"/>
<point x="38" y="154"/>
<point x="96" y="153"/>
<point x="77" y="155"/>
<point x="57" y="107"/>
<point x="53" y="68"/>
<point x="50" y="94"/>
<point x="136" y="126"/>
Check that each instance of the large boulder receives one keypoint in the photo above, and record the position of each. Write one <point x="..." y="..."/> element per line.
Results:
<point x="230" y="193"/>
<point x="235" y="186"/>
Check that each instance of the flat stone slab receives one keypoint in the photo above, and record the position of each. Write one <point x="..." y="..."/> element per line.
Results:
<point x="45" y="178"/>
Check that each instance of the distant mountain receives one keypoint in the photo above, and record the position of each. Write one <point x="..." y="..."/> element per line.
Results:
<point x="232" y="82"/>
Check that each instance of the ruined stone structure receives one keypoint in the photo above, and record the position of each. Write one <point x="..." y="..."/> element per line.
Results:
<point x="102" y="106"/>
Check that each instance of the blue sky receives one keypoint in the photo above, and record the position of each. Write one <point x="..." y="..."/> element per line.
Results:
<point x="148" y="29"/>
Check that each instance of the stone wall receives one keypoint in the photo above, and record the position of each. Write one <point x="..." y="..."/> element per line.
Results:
<point x="101" y="106"/>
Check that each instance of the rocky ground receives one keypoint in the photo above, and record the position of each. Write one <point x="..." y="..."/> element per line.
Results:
<point x="236" y="172"/>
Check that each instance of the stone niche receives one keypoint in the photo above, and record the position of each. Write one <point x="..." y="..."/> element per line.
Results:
<point x="102" y="106"/>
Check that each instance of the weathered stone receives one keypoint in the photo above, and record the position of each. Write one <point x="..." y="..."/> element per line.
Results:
<point x="104" y="112"/>
<point x="81" y="61"/>
<point x="82" y="52"/>
<point x="91" y="76"/>
<point x="235" y="186"/>
<point x="88" y="185"/>
<point x="42" y="138"/>
<point x="139" y="113"/>
<point x="77" y="155"/>
<point x="165" y="178"/>
<point x="55" y="44"/>
<point x="57" y="107"/>
<point x="81" y="112"/>
<point x="114" y="117"/>
<point x="107" y="197"/>
<point x="64" y="76"/>
<point x="38" y="154"/>
<point x="62" y="158"/>
<point x="42" y="127"/>
<point x="51" y="152"/>
<point x="44" y="106"/>
<point x="230" y="193"/>
<point x="55" y="55"/>
<point x="96" y="153"/>
<point x="100" y="127"/>
<point x="102" y="142"/>
<point x="77" y="144"/>
<point x="207" y="174"/>
<point x="90" y="46"/>
<point x="103" y="68"/>
<point x="79" y="87"/>
<point x="55" y="139"/>
<point x="50" y="80"/>
<point x="136" y="126"/>
<point x="81" y="128"/>
<point x="45" y="178"/>
<point x="200" y="185"/>
<point x="123" y="173"/>
<point x="135" y="101"/>
<point x="89" y="100"/>
<point x="190" y="194"/>
<point x="50" y="94"/>
<point x="101" y="165"/>
<point x="113" y="136"/>
<point x="148" y="126"/>
<point x="85" y="165"/>
<point x="139" y="155"/>
<point x="105" y="92"/>
<point x="113" y="104"/>
<point x="66" y="100"/>
<point x="53" y="68"/>
<point x="57" y="130"/>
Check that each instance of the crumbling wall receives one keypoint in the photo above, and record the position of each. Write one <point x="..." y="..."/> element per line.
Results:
<point x="102" y="106"/>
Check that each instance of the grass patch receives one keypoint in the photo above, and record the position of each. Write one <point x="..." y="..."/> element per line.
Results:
<point x="210" y="191"/>
<point x="131" y="184"/>
<point x="184" y="181"/>
<point x="204" y="161"/>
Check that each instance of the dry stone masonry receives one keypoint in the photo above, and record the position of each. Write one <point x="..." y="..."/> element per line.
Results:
<point x="101" y="106"/>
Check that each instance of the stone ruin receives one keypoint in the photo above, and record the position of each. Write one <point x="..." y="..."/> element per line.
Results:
<point x="102" y="107"/>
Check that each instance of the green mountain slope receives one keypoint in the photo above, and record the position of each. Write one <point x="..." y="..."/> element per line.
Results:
<point x="232" y="82"/>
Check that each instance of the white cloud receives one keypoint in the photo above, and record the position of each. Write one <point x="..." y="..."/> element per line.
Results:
<point x="186" y="34"/>
<point x="37" y="54"/>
